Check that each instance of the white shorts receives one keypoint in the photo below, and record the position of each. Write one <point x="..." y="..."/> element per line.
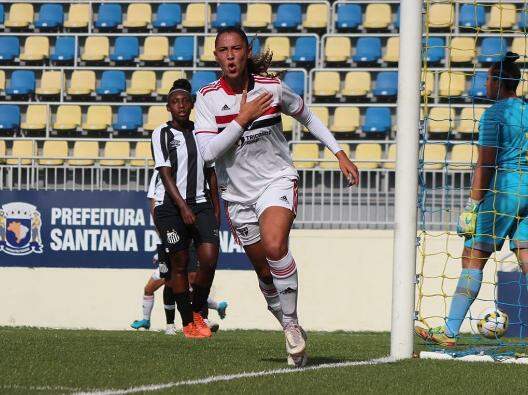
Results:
<point x="243" y="218"/>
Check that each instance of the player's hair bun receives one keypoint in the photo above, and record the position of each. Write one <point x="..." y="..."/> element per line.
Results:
<point x="511" y="57"/>
<point x="182" y="84"/>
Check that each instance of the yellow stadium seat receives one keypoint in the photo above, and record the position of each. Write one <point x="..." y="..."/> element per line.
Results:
<point x="334" y="164"/>
<point x="84" y="153"/>
<point x="139" y="15"/>
<point x="143" y="152"/>
<point x="441" y="120"/>
<point x="54" y="152"/>
<point x="209" y="46"/>
<point x="316" y="16"/>
<point x="35" y="48"/>
<point x="462" y="49"/>
<point x="3" y="151"/>
<point x="392" y="53"/>
<point x="167" y="79"/>
<point x="357" y="84"/>
<point x="320" y="112"/>
<point x="155" y="117"/>
<point x="337" y="49"/>
<point x="452" y="83"/>
<point x="98" y="118"/>
<point x="20" y="15"/>
<point x="22" y="151"/>
<point x="441" y="15"/>
<point x="366" y="151"/>
<point x="78" y="16"/>
<point x="96" y="49"/>
<point x="36" y="117"/>
<point x="377" y="16"/>
<point x="520" y="46"/>
<point x="155" y="49"/>
<point x="434" y="153"/>
<point x="192" y="115"/>
<point x="326" y="83"/>
<point x="2" y="81"/>
<point x="428" y="83"/>
<point x="50" y="83"/>
<point x="82" y="83"/>
<point x="280" y="46"/>
<point x="143" y="83"/>
<point x="469" y="120"/>
<point x="391" y="156"/>
<point x="195" y="15"/>
<point x="258" y="16"/>
<point x="463" y="157"/>
<point x="115" y="152"/>
<point x="522" y="88"/>
<point x="287" y="124"/>
<point x="346" y="120"/>
<point x="68" y="118"/>
<point x="502" y="16"/>
<point x="305" y="152"/>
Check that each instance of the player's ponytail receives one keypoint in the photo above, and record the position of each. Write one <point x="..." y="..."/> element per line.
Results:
<point x="507" y="71"/>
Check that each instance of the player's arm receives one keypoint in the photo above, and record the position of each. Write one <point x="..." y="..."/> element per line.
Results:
<point x="210" y="175"/>
<point x="483" y="172"/>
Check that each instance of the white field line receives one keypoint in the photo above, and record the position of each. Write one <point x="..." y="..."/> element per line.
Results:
<point x="49" y="388"/>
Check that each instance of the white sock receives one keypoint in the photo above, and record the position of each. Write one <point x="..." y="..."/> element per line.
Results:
<point x="272" y="298"/>
<point x="284" y="272"/>
<point x="212" y="304"/>
<point x="148" y="305"/>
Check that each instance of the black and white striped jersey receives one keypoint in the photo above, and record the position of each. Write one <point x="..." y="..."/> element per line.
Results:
<point x="156" y="189"/>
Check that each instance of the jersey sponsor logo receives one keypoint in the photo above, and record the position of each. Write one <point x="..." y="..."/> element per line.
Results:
<point x="20" y="225"/>
<point x="251" y="139"/>
<point x="225" y="108"/>
<point x="173" y="237"/>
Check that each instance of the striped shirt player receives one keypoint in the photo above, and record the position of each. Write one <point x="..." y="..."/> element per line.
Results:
<point x="156" y="190"/>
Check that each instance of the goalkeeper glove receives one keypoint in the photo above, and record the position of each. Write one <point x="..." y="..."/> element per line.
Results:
<point x="468" y="219"/>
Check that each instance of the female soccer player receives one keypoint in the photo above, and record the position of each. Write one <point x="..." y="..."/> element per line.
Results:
<point x="190" y="211"/>
<point x="497" y="206"/>
<point x="238" y="125"/>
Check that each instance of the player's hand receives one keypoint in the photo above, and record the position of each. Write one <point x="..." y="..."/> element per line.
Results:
<point x="348" y="169"/>
<point x="187" y="215"/>
<point x="249" y="111"/>
<point x="467" y="220"/>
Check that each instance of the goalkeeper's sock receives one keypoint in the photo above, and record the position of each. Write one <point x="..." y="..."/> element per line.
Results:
<point x="467" y="289"/>
<point x="272" y="298"/>
<point x="148" y="305"/>
<point x="284" y="272"/>
<point x="169" y="304"/>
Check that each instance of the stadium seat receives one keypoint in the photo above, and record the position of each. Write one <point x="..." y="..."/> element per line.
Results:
<point x="287" y="123"/>
<point x="522" y="88"/>
<point x="54" y="153"/>
<point x="126" y="49"/>
<point x="9" y="48"/>
<point x="397" y="19"/>
<point x="478" y="84"/>
<point x="492" y="49"/>
<point x="82" y="83"/>
<point x="183" y="50"/>
<point x="326" y="84"/>
<point x="316" y="17"/>
<point x="227" y="14"/>
<point x="386" y="85"/>
<point x="155" y="49"/>
<point x="22" y="149"/>
<point x="346" y="120"/>
<point x="195" y="15"/>
<point x="349" y="17"/>
<point x="337" y="49"/>
<point x="280" y="46"/>
<point x="434" y="153"/>
<point x="51" y="83"/>
<point x="368" y="50"/>
<point x="98" y="118"/>
<point x="78" y="16"/>
<point x="357" y="84"/>
<point x="142" y="152"/>
<point x="441" y="120"/>
<point x="377" y="120"/>
<point x="320" y="112"/>
<point x="295" y="80"/>
<point x="463" y="157"/>
<point x="452" y="83"/>
<point x="370" y="152"/>
<point x="22" y="83"/>
<point x="155" y="117"/>
<point x="96" y="49"/>
<point x="113" y="83"/>
<point x="36" y="48"/>
<point x="51" y="16"/>
<point x="523" y="18"/>
<point x="129" y="119"/>
<point x="9" y="117"/>
<point x="471" y="16"/>
<point x="520" y="46"/>
<point x="142" y="83"/>
<point x="377" y="16"/>
<point x="391" y="156"/>
<point x="392" y="53"/>
<point x="64" y="50"/>
<point x="3" y="151"/>
<point x="435" y="51"/>
<point x="207" y="55"/>
<point x="201" y="78"/>
<point x="305" y="156"/>
<point x="427" y="83"/>
<point x="36" y="117"/>
<point x="462" y="50"/>
<point x="288" y="17"/>
<point x="2" y="82"/>
<point x="258" y="16"/>
<point x="85" y="152"/>
<point x="20" y="16"/>
<point x="469" y="120"/>
<point x="114" y="152"/>
<point x="255" y="45"/>
<point x="441" y="16"/>
<point x="68" y="118"/>
<point x="167" y="79"/>
<point x="328" y="155"/>
<point x="502" y="16"/>
<point x="110" y="16"/>
<point x="305" y="50"/>
<point x="168" y="16"/>
<point x="2" y="19"/>
<point x="139" y="16"/>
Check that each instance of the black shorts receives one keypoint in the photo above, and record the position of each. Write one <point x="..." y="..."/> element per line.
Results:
<point x="177" y="236"/>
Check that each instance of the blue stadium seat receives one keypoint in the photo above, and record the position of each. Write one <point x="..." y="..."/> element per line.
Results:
<point x="386" y="84"/>
<point x="182" y="49"/>
<point x="471" y="16"/>
<point x="377" y="120"/>
<point x="9" y="48"/>
<point x="368" y="50"/>
<point x="9" y="117"/>
<point x="201" y="78"/>
<point x="22" y="83"/>
<point x="227" y="14"/>
<point x="349" y="16"/>
<point x="289" y="16"/>
<point x="168" y="16"/>
<point x="492" y="49"/>
<point x="523" y="18"/>
<point x="126" y="49"/>
<point x="2" y="14"/>
<point x="397" y="20"/>
<point x="436" y="49"/>
<point x="129" y="119"/>
<point x="295" y="80"/>
<point x="109" y="17"/>
<point x="51" y="16"/>
<point x="255" y="45"/>
<point x="113" y="82"/>
<point x="305" y="50"/>
<point x="64" y="50"/>
<point x="478" y="84"/>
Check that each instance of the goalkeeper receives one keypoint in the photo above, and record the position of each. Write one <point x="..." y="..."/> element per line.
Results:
<point x="498" y="203"/>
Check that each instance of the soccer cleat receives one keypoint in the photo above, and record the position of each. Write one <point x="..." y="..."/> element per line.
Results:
<point x="141" y="324"/>
<point x="295" y="339"/>
<point x="222" y="306"/>
<point x="299" y="361"/>
<point x="191" y="332"/>
<point x="212" y="325"/>
<point x="435" y="335"/>
<point x="170" y="330"/>
<point x="201" y="325"/>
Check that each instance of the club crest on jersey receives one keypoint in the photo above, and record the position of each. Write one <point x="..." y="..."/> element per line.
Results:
<point x="243" y="231"/>
<point x="20" y="225"/>
<point x="173" y="237"/>
<point x="284" y="198"/>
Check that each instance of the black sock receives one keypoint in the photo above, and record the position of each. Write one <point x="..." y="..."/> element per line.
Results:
<point x="204" y="312"/>
<point x="200" y="295"/>
<point x="169" y="302"/>
<point x="184" y="307"/>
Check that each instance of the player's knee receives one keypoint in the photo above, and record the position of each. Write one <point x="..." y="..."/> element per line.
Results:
<point x="276" y="249"/>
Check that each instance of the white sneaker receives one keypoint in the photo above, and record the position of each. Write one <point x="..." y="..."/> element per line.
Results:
<point x="295" y="339"/>
<point x="299" y="361"/>
<point x="212" y="325"/>
<point x="170" y="330"/>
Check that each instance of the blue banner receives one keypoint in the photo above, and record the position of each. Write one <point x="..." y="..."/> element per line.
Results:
<point x="88" y="230"/>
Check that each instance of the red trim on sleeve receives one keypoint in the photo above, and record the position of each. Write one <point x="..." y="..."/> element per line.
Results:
<point x="206" y="131"/>
<point x="300" y="111"/>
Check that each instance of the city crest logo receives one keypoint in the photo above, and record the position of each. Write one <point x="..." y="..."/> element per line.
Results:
<point x="20" y="225"/>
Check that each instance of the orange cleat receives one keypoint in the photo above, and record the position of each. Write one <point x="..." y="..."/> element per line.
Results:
<point x="201" y="325"/>
<point x="191" y="332"/>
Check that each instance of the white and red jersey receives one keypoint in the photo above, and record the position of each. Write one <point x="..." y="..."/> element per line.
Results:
<point x="261" y="156"/>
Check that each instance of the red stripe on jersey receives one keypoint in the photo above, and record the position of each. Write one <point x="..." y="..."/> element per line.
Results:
<point x="209" y="88"/>
<point x="206" y="131"/>
<point x="259" y="78"/>
<point x="222" y="119"/>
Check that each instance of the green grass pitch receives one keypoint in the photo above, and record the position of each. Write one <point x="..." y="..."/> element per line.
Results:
<point x="63" y="361"/>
